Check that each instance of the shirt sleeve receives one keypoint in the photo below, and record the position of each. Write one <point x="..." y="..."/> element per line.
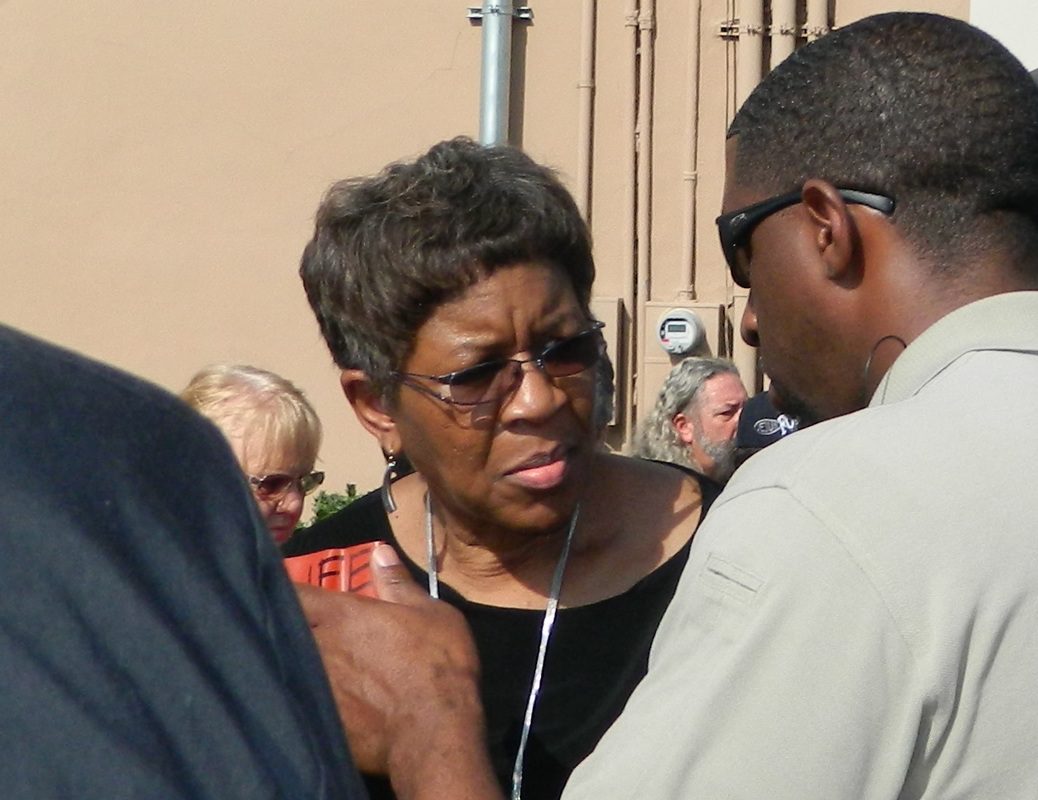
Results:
<point x="777" y="672"/>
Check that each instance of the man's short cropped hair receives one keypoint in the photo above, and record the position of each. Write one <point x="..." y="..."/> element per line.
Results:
<point x="922" y="108"/>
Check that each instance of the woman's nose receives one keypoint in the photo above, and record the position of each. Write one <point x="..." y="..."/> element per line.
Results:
<point x="292" y="496"/>
<point x="535" y="396"/>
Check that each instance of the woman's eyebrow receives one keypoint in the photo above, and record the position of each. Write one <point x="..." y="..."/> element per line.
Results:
<point x="476" y="348"/>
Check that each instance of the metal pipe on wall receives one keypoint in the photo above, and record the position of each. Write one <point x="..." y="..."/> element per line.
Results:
<point x="646" y="57"/>
<point x="690" y="174"/>
<point x="783" y="29"/>
<point x="496" y="77"/>
<point x="630" y="207"/>
<point x="748" y="70"/>
<point x="817" y="19"/>
<point x="585" y="107"/>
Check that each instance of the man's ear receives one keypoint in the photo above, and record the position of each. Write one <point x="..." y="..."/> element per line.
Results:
<point x="370" y="408"/>
<point x="836" y="233"/>
<point x="683" y="425"/>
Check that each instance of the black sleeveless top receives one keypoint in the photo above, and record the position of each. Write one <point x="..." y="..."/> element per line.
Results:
<point x="596" y="656"/>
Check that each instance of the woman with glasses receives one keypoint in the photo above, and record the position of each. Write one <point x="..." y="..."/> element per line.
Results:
<point x="274" y="433"/>
<point x="454" y="293"/>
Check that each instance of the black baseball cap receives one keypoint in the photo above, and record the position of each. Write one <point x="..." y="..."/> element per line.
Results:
<point x="761" y="424"/>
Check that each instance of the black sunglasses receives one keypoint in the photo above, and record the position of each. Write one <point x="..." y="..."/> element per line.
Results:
<point x="736" y="227"/>
<point x="278" y="484"/>
<point x="491" y="381"/>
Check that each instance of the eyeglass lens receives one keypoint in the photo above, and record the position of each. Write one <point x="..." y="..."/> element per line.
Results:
<point x="279" y="484"/>
<point x="739" y="266"/>
<point x="735" y="228"/>
<point x="493" y="380"/>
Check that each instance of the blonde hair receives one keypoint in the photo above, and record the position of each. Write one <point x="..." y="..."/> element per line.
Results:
<point x="262" y="411"/>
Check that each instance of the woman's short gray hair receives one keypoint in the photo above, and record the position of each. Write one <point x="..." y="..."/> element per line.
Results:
<point x="388" y="250"/>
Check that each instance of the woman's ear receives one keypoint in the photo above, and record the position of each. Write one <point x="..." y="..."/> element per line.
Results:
<point x="370" y="408"/>
<point x="836" y="233"/>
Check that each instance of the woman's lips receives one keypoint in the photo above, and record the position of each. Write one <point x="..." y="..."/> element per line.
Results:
<point x="542" y="472"/>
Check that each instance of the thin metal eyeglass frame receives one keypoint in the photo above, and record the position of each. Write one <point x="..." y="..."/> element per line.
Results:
<point x="736" y="227"/>
<point x="450" y="379"/>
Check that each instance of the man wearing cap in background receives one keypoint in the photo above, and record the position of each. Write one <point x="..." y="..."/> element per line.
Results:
<point x="761" y="424"/>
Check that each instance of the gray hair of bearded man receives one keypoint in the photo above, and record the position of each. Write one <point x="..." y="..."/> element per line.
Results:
<point x="657" y="438"/>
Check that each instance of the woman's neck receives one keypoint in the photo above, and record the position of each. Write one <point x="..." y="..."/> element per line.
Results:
<point x="488" y="564"/>
<point x="615" y="543"/>
<point x="497" y="566"/>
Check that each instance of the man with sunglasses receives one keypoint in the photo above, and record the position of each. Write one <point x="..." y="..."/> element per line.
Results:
<point x="858" y="617"/>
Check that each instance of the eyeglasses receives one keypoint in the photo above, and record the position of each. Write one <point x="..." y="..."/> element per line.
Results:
<point x="271" y="487"/>
<point x="494" y="380"/>
<point x="736" y="228"/>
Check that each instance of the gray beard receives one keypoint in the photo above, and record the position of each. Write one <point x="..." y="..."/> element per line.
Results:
<point x="723" y="455"/>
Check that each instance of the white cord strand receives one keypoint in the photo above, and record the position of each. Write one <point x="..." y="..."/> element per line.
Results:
<point x="546" y="628"/>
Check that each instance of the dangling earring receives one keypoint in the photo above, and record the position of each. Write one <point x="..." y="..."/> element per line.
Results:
<point x="388" y="502"/>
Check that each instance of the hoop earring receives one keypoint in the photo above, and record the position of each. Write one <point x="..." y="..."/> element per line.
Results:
<point x="388" y="503"/>
<point x="875" y="347"/>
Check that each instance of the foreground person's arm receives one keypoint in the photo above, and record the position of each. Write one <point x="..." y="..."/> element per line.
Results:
<point x="405" y="676"/>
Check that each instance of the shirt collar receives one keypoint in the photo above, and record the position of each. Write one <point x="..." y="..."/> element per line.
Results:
<point x="1000" y="322"/>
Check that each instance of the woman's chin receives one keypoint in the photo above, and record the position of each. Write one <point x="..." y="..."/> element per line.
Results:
<point x="544" y="501"/>
<point x="281" y="531"/>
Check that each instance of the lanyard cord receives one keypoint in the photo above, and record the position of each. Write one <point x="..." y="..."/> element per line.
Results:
<point x="546" y="628"/>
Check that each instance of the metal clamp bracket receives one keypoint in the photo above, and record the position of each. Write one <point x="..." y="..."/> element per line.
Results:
<point x="520" y="12"/>
<point x="732" y="29"/>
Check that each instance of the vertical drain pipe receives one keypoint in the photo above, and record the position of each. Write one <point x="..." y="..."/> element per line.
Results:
<point x="817" y="19"/>
<point x="630" y="208"/>
<point x="748" y="69"/>
<point x="691" y="176"/>
<point x="586" y="107"/>
<point x="497" y="71"/>
<point x="783" y="30"/>
<point x="646" y="57"/>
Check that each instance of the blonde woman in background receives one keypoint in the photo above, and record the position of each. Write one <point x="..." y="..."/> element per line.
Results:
<point x="274" y="433"/>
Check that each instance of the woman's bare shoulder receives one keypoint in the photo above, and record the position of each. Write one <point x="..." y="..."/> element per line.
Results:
<point x="637" y="515"/>
<point x="645" y="504"/>
<point x="648" y="483"/>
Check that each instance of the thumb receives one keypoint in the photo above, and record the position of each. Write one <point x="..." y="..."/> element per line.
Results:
<point x="392" y="580"/>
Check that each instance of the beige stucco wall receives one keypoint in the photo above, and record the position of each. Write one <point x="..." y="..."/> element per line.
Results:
<point x="162" y="162"/>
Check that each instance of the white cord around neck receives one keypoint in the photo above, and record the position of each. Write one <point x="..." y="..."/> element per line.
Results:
<point x="546" y="627"/>
<point x="430" y="551"/>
